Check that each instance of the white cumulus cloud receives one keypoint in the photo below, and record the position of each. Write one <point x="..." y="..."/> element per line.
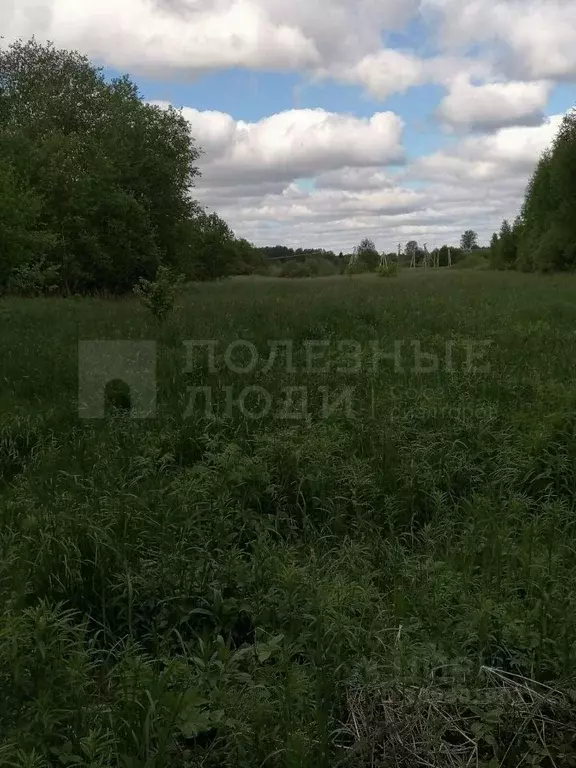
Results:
<point x="531" y="39"/>
<point x="293" y="144"/>
<point x="194" y="36"/>
<point x="338" y="39"/>
<point x="493" y="105"/>
<point x="509" y="152"/>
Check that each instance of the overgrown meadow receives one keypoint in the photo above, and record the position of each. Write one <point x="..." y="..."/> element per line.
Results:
<point x="381" y="572"/>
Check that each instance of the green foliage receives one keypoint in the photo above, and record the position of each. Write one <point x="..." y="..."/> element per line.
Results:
<point x="469" y="240"/>
<point x="367" y="255"/>
<point x="556" y="249"/>
<point x="504" y="249"/>
<point x="355" y="267"/>
<point x="494" y="243"/>
<point x="22" y="235"/>
<point x="249" y="259"/>
<point x="159" y="295"/>
<point x="34" y="278"/>
<point x="389" y="270"/>
<point x="322" y="267"/>
<point x="314" y="266"/>
<point x="214" y="251"/>
<point x="284" y="253"/>
<point x="474" y="260"/>
<point x="411" y="250"/>
<point x="99" y="180"/>
<point x="294" y="268"/>
<point x="548" y="230"/>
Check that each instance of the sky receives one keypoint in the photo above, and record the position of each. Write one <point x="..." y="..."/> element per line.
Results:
<point x="323" y="122"/>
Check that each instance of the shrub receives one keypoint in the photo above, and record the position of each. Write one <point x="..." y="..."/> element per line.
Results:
<point x="473" y="260"/>
<point x="357" y="267"/>
<point x="389" y="270"/>
<point x="296" y="269"/>
<point x="34" y="278"/>
<point x="159" y="295"/>
<point x="321" y="267"/>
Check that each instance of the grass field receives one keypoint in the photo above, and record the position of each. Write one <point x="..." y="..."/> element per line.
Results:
<point x="376" y="567"/>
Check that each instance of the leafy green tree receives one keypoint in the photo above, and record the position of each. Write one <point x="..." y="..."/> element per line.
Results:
<point x="111" y="174"/>
<point x="506" y="250"/>
<point x="367" y="255"/>
<point x="411" y="250"/>
<point x="469" y="240"/>
<point x="249" y="258"/>
<point x="213" y="248"/>
<point x="449" y="255"/>
<point x="547" y="237"/>
<point x="22" y="235"/>
<point x="159" y="295"/>
<point x="494" y="250"/>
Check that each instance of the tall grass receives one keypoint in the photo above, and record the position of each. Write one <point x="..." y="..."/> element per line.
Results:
<point x="393" y="586"/>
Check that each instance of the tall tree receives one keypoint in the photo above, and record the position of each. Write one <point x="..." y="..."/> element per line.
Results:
<point x="548" y="233"/>
<point x="112" y="173"/>
<point x="214" y="251"/>
<point x="507" y="249"/>
<point x="367" y="255"/>
<point x="411" y="250"/>
<point x="469" y="240"/>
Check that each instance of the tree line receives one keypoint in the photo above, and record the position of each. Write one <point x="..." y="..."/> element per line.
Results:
<point x="311" y="262"/>
<point x="543" y="236"/>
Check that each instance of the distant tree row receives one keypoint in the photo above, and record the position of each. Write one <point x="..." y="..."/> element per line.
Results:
<point x="543" y="236"/>
<point x="284" y="253"/>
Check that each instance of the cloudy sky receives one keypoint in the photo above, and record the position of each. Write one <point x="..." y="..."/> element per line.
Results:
<point x="326" y="121"/>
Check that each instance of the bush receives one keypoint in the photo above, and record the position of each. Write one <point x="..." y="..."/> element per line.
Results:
<point x="321" y="267"/>
<point x="22" y="236"/>
<point x="390" y="270"/>
<point x="356" y="267"/>
<point x="473" y="260"/>
<point x="159" y="295"/>
<point x="295" y="269"/>
<point x="35" y="278"/>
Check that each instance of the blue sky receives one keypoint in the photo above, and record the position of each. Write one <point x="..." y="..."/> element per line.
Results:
<point x="324" y="123"/>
